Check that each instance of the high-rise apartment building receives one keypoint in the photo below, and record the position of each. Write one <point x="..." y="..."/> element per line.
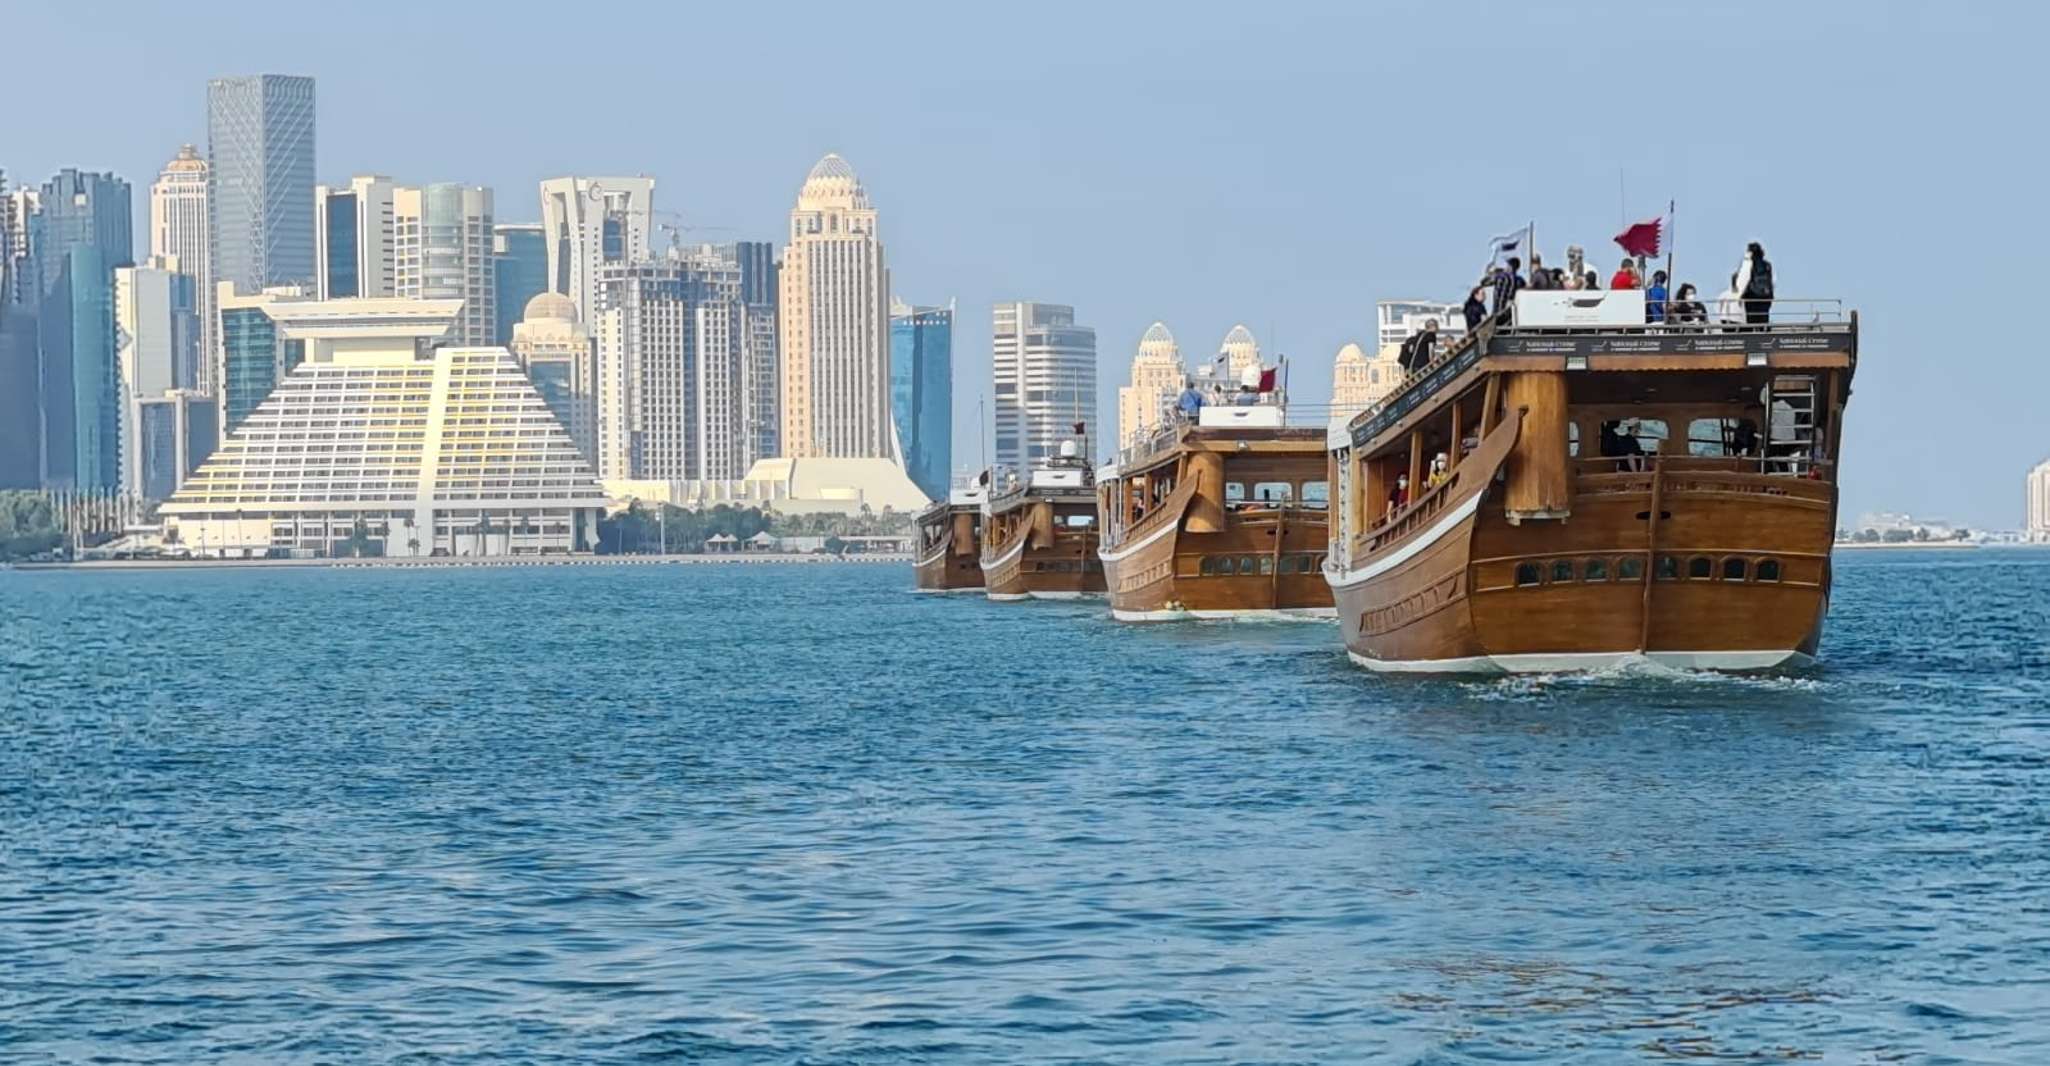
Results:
<point x="520" y="272"/>
<point x="922" y="393"/>
<point x="156" y="331"/>
<point x="442" y="237"/>
<point x="762" y="362"/>
<point x="353" y="239"/>
<point x="561" y="359"/>
<point x="19" y="207"/>
<point x="671" y="395"/>
<point x="834" y="297"/>
<point x="1359" y="382"/>
<point x="2038" y="517"/>
<point x="1158" y="377"/>
<point x="83" y="232"/>
<point x="21" y="413"/>
<point x="1043" y="381"/>
<point x="177" y="234"/>
<point x="591" y="224"/>
<point x="260" y="137"/>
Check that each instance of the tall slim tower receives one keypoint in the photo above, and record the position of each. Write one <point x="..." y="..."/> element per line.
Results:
<point x="1044" y="379"/>
<point x="83" y="233"/>
<point x="1157" y="378"/>
<point x="590" y="224"/>
<point x="922" y="393"/>
<point x="259" y="131"/>
<point x="521" y="272"/>
<point x="442" y="250"/>
<point x="353" y="238"/>
<point x="177" y="230"/>
<point x="835" y="309"/>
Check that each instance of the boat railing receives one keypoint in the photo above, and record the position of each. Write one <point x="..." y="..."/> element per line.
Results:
<point x="1782" y="463"/>
<point x="1811" y="313"/>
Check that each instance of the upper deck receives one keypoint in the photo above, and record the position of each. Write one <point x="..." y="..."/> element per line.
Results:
<point x="1604" y="332"/>
<point x="1249" y="428"/>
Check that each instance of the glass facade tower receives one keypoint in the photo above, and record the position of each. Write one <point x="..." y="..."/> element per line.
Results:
<point x="522" y="257"/>
<point x="84" y="231"/>
<point x="922" y="393"/>
<point x="260" y="156"/>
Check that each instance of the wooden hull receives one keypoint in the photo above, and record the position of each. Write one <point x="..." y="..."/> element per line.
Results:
<point x="1734" y="575"/>
<point x="1274" y="561"/>
<point x="1067" y="569"/>
<point x="946" y="571"/>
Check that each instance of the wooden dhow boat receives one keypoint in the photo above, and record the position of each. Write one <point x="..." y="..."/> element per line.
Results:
<point x="1611" y="491"/>
<point x="949" y="556"/>
<point x="1222" y="515"/>
<point x="1039" y="532"/>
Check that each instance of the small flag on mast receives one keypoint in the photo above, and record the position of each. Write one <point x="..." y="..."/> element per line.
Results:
<point x="1507" y="244"/>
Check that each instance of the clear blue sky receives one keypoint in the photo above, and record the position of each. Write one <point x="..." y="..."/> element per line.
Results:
<point x="1281" y="164"/>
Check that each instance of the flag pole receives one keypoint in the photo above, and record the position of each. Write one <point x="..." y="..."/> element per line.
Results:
<point x="1672" y="279"/>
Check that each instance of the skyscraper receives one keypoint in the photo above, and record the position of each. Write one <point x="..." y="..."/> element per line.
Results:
<point x="1157" y="379"/>
<point x="21" y="415"/>
<point x="156" y="331"/>
<point x="922" y="393"/>
<point x="1358" y="382"/>
<point x="560" y="358"/>
<point x="762" y="361"/>
<point x="1044" y="380"/>
<point x="177" y="231"/>
<point x="175" y="432"/>
<point x="260" y="155"/>
<point x="353" y="238"/>
<point x="671" y="395"/>
<point x="1238" y="351"/>
<point x="84" y="230"/>
<point x="2037" y="519"/>
<point x="835" y="310"/>
<point x="589" y="224"/>
<point x="442" y="251"/>
<point x="521" y="272"/>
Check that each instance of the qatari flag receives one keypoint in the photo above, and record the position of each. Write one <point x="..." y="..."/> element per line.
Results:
<point x="1642" y="238"/>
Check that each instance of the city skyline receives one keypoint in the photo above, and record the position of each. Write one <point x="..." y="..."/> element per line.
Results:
<point x="1339" y="223"/>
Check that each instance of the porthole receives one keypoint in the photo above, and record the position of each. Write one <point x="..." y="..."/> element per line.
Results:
<point x="1248" y="566"/>
<point x="1562" y="570"/>
<point x="1225" y="565"/>
<point x="1700" y="567"/>
<point x="1528" y="574"/>
<point x="1668" y="568"/>
<point x="1629" y="568"/>
<point x="1768" y="569"/>
<point x="1266" y="566"/>
<point x="1596" y="570"/>
<point x="1208" y="567"/>
<point x="1735" y="569"/>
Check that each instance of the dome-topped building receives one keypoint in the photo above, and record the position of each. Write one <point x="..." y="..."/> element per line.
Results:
<point x="550" y="307"/>
<point x="832" y="184"/>
<point x="1240" y="350"/>
<point x="561" y="360"/>
<point x="1358" y="381"/>
<point x="1157" y="378"/>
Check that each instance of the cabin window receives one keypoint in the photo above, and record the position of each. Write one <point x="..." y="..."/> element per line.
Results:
<point x="1273" y="491"/>
<point x="1081" y="521"/>
<point x="1713" y="437"/>
<point x="1768" y="569"/>
<point x="1248" y="565"/>
<point x="1597" y="570"/>
<point x="1573" y="439"/>
<point x="1629" y="568"/>
<point x="1316" y="493"/>
<point x="1528" y="574"/>
<point x="1266" y="565"/>
<point x="1225" y="566"/>
<point x="1668" y="568"/>
<point x="1208" y="567"/>
<point x="1700" y="567"/>
<point x="1734" y="569"/>
<point x="1562" y="570"/>
<point x="1234" y="492"/>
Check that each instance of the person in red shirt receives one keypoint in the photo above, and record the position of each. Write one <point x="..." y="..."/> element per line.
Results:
<point x="1626" y="277"/>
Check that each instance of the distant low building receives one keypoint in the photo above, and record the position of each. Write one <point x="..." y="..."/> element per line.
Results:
<point x="789" y="486"/>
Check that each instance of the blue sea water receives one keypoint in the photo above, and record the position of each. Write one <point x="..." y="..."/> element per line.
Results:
<point x="796" y="814"/>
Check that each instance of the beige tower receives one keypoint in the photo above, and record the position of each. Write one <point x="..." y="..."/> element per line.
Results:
<point x="835" y="309"/>
<point x="559" y="358"/>
<point x="1358" y="382"/>
<point x="1157" y="378"/>
<point x="1239" y="351"/>
<point x="441" y="250"/>
<point x="177" y="230"/>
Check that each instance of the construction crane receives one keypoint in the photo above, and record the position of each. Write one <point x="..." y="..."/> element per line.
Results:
<point x="671" y="223"/>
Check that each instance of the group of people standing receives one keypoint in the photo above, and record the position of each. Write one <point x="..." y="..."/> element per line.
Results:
<point x="1748" y="299"/>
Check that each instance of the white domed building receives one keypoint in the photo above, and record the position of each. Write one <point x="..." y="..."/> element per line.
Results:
<point x="1157" y="378"/>
<point x="558" y="355"/>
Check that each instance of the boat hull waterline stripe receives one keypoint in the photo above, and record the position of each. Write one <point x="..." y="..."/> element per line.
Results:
<point x="1582" y="662"/>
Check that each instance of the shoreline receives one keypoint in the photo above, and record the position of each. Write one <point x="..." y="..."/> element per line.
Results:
<point x="460" y="562"/>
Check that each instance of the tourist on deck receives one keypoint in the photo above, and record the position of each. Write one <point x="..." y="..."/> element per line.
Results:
<point x="1191" y="403"/>
<point x="1592" y="283"/>
<point x="1655" y="298"/>
<point x="1506" y="284"/>
<point x="1754" y="284"/>
<point x="1572" y="282"/>
<point x="1441" y="471"/>
<point x="1626" y="277"/>
<point x="1398" y="497"/>
<point x="1476" y="309"/>
<point x="1577" y="267"/>
<point x="1419" y="348"/>
<point x="1687" y="307"/>
<point x="1728" y="309"/>
<point x="1540" y="278"/>
<point x="1619" y="442"/>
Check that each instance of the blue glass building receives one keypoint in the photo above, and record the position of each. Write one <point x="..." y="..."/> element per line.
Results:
<point x="922" y="393"/>
<point x="521" y="252"/>
<point x="82" y="233"/>
<point x="259" y="144"/>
